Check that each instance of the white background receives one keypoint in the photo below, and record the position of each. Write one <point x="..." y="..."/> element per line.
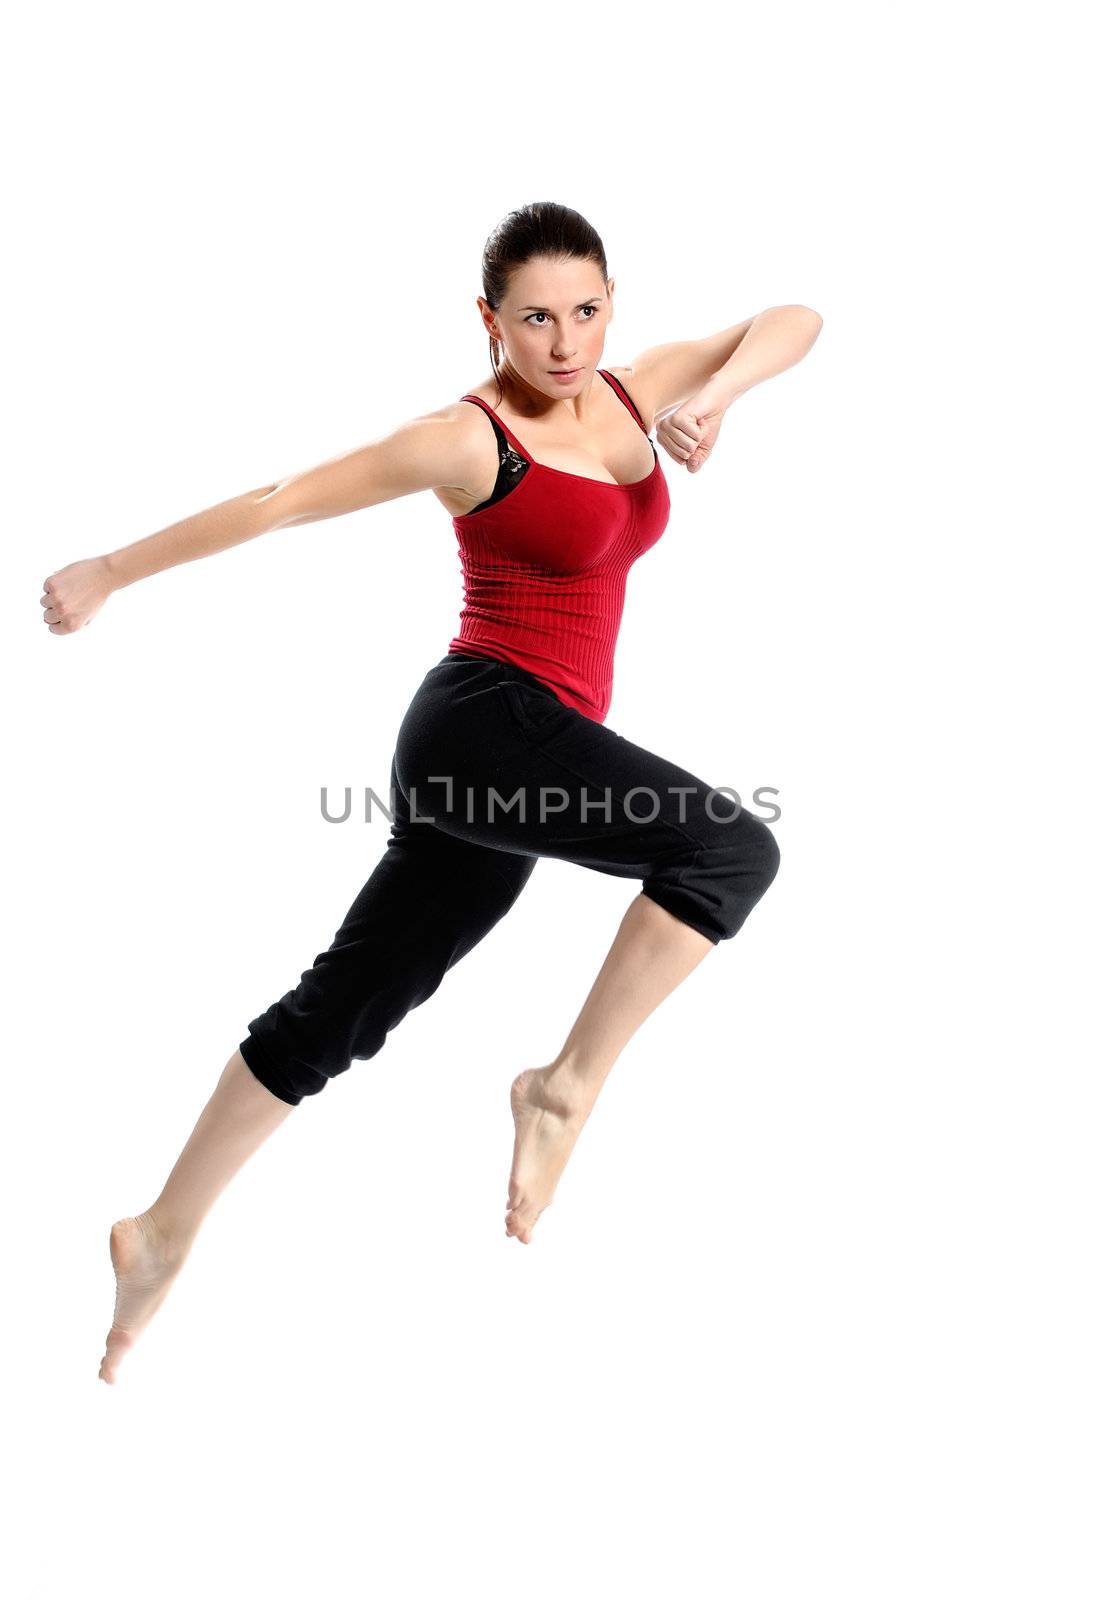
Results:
<point x="810" y="1314"/>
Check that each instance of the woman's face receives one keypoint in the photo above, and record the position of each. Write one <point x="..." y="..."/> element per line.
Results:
<point x="554" y="316"/>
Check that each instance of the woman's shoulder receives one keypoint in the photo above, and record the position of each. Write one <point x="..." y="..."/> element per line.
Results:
<point x="486" y="390"/>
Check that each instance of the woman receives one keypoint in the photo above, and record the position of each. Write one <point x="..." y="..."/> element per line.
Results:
<point x="502" y="756"/>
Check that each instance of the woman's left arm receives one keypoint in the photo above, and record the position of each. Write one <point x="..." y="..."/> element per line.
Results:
<point x="770" y="342"/>
<point x="776" y="339"/>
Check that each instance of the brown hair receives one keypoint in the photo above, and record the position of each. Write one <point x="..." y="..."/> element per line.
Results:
<point x="540" y="229"/>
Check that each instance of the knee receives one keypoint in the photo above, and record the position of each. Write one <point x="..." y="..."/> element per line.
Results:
<point x="765" y="852"/>
<point x="736" y="866"/>
<point x="744" y="846"/>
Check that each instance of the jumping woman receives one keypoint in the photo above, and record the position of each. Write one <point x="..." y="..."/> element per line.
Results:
<point x="555" y="488"/>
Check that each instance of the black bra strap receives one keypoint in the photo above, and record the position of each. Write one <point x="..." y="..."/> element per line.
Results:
<point x="511" y="464"/>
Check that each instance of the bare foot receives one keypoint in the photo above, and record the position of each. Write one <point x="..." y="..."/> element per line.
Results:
<point x="145" y="1264"/>
<point x="548" y="1114"/>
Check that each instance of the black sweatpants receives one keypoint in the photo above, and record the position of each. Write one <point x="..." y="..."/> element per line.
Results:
<point x="491" y="771"/>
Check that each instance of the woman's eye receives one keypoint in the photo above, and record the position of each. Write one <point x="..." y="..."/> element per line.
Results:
<point x="543" y="314"/>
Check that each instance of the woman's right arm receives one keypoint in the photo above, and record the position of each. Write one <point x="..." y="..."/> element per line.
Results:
<point x="436" y="450"/>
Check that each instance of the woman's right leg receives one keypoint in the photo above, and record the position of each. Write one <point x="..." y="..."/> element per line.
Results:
<point x="429" y="900"/>
<point x="148" y="1251"/>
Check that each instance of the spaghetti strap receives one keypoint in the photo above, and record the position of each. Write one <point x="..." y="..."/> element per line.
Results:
<point x="625" y="397"/>
<point x="510" y="435"/>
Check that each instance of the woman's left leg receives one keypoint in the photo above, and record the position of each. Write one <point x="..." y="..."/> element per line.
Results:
<point x="651" y="955"/>
<point x="577" y="791"/>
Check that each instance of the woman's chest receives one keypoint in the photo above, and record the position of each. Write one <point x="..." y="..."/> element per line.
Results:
<point x="564" y="525"/>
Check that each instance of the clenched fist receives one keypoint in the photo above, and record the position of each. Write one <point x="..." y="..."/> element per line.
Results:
<point x="73" y="595"/>
<point x="689" y="433"/>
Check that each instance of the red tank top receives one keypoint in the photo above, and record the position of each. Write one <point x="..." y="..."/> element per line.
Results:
<point x="545" y="570"/>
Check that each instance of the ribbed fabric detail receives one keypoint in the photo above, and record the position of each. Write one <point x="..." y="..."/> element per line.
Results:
<point x="545" y="571"/>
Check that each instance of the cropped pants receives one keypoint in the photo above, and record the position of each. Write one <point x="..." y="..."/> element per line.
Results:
<point x="491" y="771"/>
